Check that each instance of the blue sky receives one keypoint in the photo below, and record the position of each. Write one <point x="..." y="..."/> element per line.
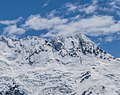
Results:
<point x="98" y="19"/>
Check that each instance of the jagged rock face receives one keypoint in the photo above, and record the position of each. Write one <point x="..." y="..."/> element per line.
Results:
<point x="61" y="66"/>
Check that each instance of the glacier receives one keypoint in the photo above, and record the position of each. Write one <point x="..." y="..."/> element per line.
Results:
<point x="72" y="65"/>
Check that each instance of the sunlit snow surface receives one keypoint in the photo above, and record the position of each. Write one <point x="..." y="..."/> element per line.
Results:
<point x="34" y="66"/>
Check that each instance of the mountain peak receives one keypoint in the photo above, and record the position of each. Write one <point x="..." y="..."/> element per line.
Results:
<point x="37" y="66"/>
<point x="70" y="46"/>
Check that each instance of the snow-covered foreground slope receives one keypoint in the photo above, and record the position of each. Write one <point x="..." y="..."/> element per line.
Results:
<point x="62" y="66"/>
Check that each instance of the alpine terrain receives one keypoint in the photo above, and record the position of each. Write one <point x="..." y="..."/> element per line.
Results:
<point x="71" y="65"/>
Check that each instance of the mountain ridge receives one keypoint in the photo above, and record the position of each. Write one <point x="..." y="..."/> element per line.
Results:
<point x="71" y="44"/>
<point x="62" y="66"/>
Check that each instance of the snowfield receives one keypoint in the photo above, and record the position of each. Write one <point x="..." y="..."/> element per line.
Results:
<point x="61" y="66"/>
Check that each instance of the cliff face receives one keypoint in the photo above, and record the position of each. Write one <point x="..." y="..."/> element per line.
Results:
<point x="61" y="66"/>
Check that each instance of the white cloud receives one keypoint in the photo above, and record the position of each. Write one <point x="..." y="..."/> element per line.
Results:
<point x="94" y="26"/>
<point x="86" y="8"/>
<point x="109" y="39"/>
<point x="36" y="22"/>
<point x="56" y="26"/>
<point x="90" y="9"/>
<point x="71" y="7"/>
<point x="94" y="2"/>
<point x="13" y="30"/>
<point x="46" y="3"/>
<point x="10" y="22"/>
<point x="74" y="8"/>
<point x="52" y="14"/>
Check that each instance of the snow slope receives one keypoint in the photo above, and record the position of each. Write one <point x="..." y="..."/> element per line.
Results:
<point x="61" y="66"/>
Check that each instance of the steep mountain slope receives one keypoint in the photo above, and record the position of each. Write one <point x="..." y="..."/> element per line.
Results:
<point x="60" y="66"/>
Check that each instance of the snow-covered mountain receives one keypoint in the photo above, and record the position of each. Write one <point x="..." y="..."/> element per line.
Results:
<point x="61" y="66"/>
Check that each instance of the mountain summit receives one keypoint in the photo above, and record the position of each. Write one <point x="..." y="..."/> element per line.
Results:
<point x="33" y="50"/>
<point x="61" y="66"/>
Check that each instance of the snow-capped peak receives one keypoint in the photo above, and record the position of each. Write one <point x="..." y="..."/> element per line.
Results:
<point x="61" y="66"/>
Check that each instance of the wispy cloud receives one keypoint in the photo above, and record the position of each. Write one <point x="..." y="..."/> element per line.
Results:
<point x="94" y="26"/>
<point x="11" y="27"/>
<point x="86" y="8"/>
<point x="46" y="3"/>
<point x="13" y="30"/>
<point x="109" y="39"/>
<point x="71" y="7"/>
<point x="90" y="9"/>
<point x="91" y="24"/>
<point x="10" y="22"/>
<point x="113" y="37"/>
<point x="37" y="22"/>
<point x="58" y="26"/>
